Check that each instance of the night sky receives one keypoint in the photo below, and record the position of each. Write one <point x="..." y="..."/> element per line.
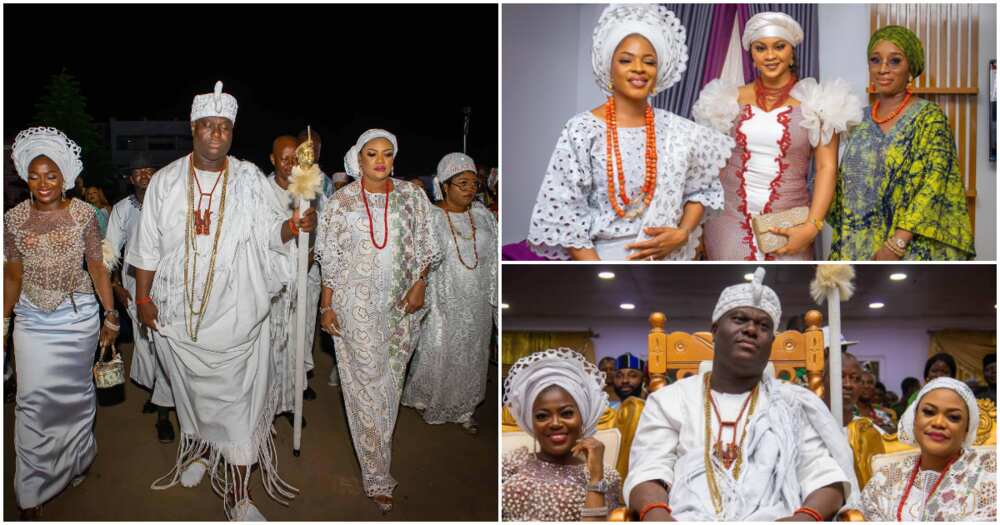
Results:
<point x="341" y="68"/>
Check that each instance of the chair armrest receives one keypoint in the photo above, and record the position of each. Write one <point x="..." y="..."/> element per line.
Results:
<point x="619" y="514"/>
<point x="850" y="515"/>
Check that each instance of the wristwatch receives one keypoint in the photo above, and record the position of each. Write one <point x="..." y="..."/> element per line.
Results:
<point x="601" y="487"/>
<point x="898" y="242"/>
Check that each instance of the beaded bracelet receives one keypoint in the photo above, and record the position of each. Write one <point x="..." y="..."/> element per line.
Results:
<point x="145" y="300"/>
<point x="655" y="505"/>
<point x="812" y="513"/>
<point x="594" y="512"/>
<point x="112" y="326"/>
<point x="291" y="226"/>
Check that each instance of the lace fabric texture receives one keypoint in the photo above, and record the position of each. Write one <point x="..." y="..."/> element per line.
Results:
<point x="447" y="377"/>
<point x="52" y="246"/>
<point x="572" y="209"/>
<point x="968" y="492"/>
<point x="377" y="336"/>
<point x="535" y="490"/>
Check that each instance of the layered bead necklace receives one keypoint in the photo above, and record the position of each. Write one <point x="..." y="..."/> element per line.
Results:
<point x="192" y="230"/>
<point x="909" y="485"/>
<point x="733" y="452"/>
<point x="899" y="109"/>
<point x="614" y="157"/>
<point x="778" y="95"/>
<point x="455" y="237"/>
<point x="385" y="215"/>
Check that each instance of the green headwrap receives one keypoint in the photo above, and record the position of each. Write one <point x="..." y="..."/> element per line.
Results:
<point x="906" y="41"/>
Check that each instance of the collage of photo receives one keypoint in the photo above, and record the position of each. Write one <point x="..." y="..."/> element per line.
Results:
<point x="637" y="262"/>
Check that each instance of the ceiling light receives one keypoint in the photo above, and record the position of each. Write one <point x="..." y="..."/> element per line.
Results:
<point x="897" y="276"/>
<point x="748" y="277"/>
<point x="504" y="306"/>
<point x="627" y="306"/>
<point x="606" y="275"/>
<point x="875" y="306"/>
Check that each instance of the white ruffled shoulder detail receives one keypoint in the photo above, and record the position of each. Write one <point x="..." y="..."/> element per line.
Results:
<point x="827" y="108"/>
<point x="717" y="106"/>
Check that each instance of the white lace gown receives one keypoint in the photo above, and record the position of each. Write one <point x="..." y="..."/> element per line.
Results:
<point x="377" y="337"/>
<point x="447" y="377"/>
<point x="573" y="210"/>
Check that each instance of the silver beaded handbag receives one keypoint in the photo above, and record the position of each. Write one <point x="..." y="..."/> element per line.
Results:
<point x="109" y="373"/>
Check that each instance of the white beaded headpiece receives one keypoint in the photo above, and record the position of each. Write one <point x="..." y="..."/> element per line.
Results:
<point x="351" y="165"/>
<point x="771" y="25"/>
<point x="373" y="134"/>
<point x="753" y="294"/>
<point x="216" y="104"/>
<point x="562" y="367"/>
<point x="906" y="430"/>
<point x="52" y="143"/>
<point x="653" y="22"/>
<point x="450" y="165"/>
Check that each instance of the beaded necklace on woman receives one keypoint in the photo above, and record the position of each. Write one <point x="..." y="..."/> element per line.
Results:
<point x="197" y="223"/>
<point x="455" y="235"/>
<point x="614" y="156"/>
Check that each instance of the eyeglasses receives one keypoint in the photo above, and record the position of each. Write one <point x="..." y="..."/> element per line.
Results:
<point x="466" y="185"/>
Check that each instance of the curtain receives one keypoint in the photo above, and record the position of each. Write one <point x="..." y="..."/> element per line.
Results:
<point x="968" y="347"/>
<point x="697" y="20"/>
<point x="518" y="344"/>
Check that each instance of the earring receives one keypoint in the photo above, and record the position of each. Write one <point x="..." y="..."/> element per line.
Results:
<point x="64" y="194"/>
<point x="611" y="85"/>
<point x="31" y="195"/>
<point x="909" y="86"/>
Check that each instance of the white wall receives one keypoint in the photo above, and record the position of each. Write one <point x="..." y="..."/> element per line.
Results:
<point x="901" y="345"/>
<point x="547" y="78"/>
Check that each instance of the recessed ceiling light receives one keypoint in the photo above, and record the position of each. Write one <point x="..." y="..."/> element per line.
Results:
<point x="504" y="306"/>
<point x="875" y="306"/>
<point x="748" y="276"/>
<point x="898" y="276"/>
<point x="627" y="306"/>
<point x="606" y="275"/>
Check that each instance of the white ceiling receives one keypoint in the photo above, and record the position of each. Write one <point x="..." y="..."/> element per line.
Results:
<point x="691" y="290"/>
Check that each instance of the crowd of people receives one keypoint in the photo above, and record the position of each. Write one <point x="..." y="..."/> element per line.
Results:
<point x="732" y="443"/>
<point x="630" y="181"/>
<point x="202" y="255"/>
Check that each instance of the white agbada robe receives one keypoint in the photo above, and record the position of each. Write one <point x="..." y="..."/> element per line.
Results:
<point x="146" y="369"/>
<point x="225" y="403"/>
<point x="792" y="448"/>
<point x="283" y="308"/>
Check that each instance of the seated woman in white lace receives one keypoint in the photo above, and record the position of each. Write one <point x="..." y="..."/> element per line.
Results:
<point x="627" y="181"/>
<point x="557" y="397"/>
<point x="780" y="123"/>
<point x="948" y="480"/>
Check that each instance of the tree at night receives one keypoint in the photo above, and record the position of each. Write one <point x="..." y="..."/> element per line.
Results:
<point x="64" y="107"/>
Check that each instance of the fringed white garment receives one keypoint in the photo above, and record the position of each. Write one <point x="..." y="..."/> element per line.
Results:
<point x="221" y="384"/>
<point x="447" y="377"/>
<point x="792" y="448"/>
<point x="377" y="336"/>
<point x="283" y="308"/>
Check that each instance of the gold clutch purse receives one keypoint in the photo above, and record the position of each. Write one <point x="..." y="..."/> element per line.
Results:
<point x="769" y="242"/>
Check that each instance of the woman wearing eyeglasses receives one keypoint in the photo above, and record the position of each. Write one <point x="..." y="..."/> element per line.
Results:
<point x="448" y="374"/>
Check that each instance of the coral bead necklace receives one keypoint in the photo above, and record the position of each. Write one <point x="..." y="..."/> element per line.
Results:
<point x="909" y="485"/>
<point x="385" y="215"/>
<point x="614" y="157"/>
<point x="899" y="109"/>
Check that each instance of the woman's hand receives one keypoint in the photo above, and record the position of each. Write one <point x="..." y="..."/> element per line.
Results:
<point x="593" y="451"/>
<point x="885" y="254"/>
<point x="800" y="238"/>
<point x="328" y="321"/>
<point x="414" y="299"/>
<point x="108" y="334"/>
<point x="664" y="240"/>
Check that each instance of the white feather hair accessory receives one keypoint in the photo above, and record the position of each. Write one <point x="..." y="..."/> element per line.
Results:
<point x="830" y="276"/>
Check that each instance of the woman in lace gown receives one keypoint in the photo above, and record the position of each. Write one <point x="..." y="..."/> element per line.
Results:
<point x="557" y="397"/>
<point x="57" y="325"/>
<point x="375" y="248"/>
<point x="780" y="124"/>
<point x="448" y="375"/>
<point x="948" y="480"/>
<point x="627" y="181"/>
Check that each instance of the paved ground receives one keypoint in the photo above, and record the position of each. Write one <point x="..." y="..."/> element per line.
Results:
<point x="443" y="473"/>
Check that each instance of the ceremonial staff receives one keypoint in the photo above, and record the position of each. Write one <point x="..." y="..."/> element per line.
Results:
<point x="833" y="284"/>
<point x="303" y="185"/>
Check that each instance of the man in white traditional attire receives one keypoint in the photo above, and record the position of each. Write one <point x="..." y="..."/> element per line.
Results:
<point x="146" y="368"/>
<point x="772" y="449"/>
<point x="208" y="258"/>
<point x="283" y="309"/>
